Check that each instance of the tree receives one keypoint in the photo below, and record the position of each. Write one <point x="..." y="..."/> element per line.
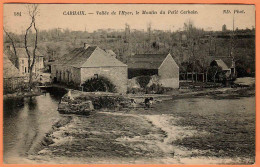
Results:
<point x="196" y="58"/>
<point x="32" y="11"/>
<point x="215" y="73"/>
<point x="12" y="42"/>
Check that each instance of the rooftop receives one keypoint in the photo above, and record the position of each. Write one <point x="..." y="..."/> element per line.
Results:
<point x="10" y="71"/>
<point x="79" y="56"/>
<point x="146" y="61"/>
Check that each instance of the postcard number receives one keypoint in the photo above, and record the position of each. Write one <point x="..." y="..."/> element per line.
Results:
<point x="17" y="13"/>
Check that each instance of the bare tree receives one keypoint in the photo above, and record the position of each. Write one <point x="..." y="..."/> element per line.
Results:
<point x="12" y="41"/>
<point x="32" y="11"/>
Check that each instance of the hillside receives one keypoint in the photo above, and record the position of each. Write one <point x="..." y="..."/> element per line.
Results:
<point x="185" y="46"/>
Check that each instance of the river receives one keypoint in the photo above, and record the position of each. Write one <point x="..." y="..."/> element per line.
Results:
<point x="26" y="120"/>
<point x="217" y="129"/>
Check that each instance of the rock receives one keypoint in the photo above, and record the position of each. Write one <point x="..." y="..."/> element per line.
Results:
<point x="132" y="83"/>
<point x="82" y="108"/>
<point x="154" y="80"/>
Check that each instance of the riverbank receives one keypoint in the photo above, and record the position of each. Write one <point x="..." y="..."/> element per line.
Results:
<point x="26" y="122"/>
<point x="180" y="130"/>
<point x="22" y="94"/>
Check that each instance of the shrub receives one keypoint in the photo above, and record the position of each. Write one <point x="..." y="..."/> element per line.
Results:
<point x="156" y="89"/>
<point x="215" y="73"/>
<point x="100" y="102"/>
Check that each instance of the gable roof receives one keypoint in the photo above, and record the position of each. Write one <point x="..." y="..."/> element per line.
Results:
<point x="79" y="58"/>
<point x="221" y="64"/>
<point x="226" y="59"/>
<point x="21" y="52"/>
<point x="146" y="61"/>
<point x="9" y="71"/>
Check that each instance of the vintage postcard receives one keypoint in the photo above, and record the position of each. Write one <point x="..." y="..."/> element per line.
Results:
<point x="129" y="83"/>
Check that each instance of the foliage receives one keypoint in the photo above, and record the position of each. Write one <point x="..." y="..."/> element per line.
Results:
<point x="244" y="68"/>
<point x="153" y="89"/>
<point x="100" y="102"/>
<point x="156" y="89"/>
<point x="215" y="73"/>
<point x="188" y="45"/>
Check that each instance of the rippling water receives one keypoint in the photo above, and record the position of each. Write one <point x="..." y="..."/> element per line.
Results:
<point x="26" y="120"/>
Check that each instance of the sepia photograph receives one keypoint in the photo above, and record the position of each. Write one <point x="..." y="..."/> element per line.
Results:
<point x="129" y="84"/>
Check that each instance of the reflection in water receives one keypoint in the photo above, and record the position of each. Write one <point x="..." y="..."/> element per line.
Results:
<point x="26" y="120"/>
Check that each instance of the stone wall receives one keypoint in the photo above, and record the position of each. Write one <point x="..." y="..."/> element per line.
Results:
<point x="116" y="75"/>
<point x="66" y="74"/>
<point x="170" y="82"/>
<point x="169" y="73"/>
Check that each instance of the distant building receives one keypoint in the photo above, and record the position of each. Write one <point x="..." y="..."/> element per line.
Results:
<point x="162" y="65"/>
<point x="12" y="78"/>
<point x="227" y="65"/>
<point x="127" y="32"/>
<point x="20" y="60"/>
<point x="82" y="64"/>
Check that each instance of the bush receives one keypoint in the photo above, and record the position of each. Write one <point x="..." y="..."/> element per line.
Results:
<point x="153" y="89"/>
<point x="134" y="90"/>
<point x="215" y="73"/>
<point x="99" y="102"/>
<point x="156" y="89"/>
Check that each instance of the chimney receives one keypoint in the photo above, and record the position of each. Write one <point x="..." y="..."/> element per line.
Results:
<point x="86" y="45"/>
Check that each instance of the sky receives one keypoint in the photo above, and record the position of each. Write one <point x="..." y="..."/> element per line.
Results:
<point x="208" y="17"/>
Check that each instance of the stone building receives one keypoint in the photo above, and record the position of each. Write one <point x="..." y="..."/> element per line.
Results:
<point x="11" y="75"/>
<point x="82" y="64"/>
<point x="162" y="65"/>
<point x="20" y="60"/>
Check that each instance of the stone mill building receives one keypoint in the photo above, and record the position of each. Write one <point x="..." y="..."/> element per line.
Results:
<point x="88" y="62"/>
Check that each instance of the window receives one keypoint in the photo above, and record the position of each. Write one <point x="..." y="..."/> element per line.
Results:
<point x="25" y="69"/>
<point x="22" y="61"/>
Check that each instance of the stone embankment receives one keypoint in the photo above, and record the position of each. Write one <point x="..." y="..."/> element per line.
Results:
<point x="83" y="103"/>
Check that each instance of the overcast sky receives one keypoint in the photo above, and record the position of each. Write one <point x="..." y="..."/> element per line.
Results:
<point x="209" y="17"/>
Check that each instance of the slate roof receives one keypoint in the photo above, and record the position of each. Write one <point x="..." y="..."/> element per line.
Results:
<point x="146" y="61"/>
<point x="79" y="56"/>
<point x="221" y="64"/>
<point x="227" y="60"/>
<point x="21" y="52"/>
<point x="10" y="71"/>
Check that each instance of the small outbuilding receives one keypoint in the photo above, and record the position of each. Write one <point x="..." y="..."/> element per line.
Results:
<point x="89" y="62"/>
<point x="162" y="65"/>
<point x="227" y="67"/>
